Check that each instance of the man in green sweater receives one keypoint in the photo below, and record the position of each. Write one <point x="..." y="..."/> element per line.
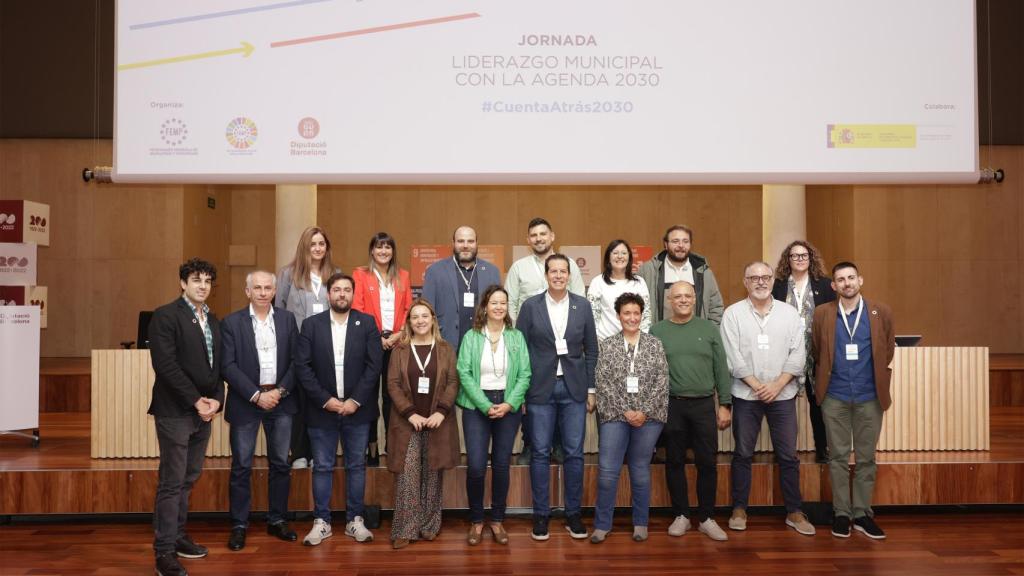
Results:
<point x="698" y="370"/>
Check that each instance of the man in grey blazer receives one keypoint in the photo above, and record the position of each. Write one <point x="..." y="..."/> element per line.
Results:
<point x="560" y="333"/>
<point x="455" y="285"/>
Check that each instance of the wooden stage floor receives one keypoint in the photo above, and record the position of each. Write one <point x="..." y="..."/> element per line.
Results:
<point x="59" y="477"/>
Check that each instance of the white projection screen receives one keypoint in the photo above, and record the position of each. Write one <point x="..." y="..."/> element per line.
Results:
<point x="546" y="91"/>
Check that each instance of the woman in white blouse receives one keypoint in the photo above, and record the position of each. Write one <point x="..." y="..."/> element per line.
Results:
<point x="617" y="278"/>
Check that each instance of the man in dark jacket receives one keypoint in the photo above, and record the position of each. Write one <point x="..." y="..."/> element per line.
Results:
<point x="676" y="263"/>
<point x="187" y="393"/>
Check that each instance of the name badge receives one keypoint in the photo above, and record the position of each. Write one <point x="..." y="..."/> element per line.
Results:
<point x="561" y="346"/>
<point x="762" y="342"/>
<point x="318" y="308"/>
<point x="632" y="384"/>
<point x="423" y="385"/>
<point x="851" y="352"/>
<point x="469" y="299"/>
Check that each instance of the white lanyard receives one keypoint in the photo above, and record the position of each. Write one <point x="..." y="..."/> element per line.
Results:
<point x="761" y="323"/>
<point x="799" y="294"/>
<point x="632" y="357"/>
<point x="423" y="365"/>
<point x="469" y="282"/>
<point x="856" y="323"/>
<point x="315" y="282"/>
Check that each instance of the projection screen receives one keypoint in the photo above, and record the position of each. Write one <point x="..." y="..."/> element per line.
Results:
<point x="546" y="91"/>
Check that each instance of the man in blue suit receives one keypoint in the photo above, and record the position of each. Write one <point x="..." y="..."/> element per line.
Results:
<point x="454" y="286"/>
<point x="337" y="363"/>
<point x="560" y="333"/>
<point x="259" y="343"/>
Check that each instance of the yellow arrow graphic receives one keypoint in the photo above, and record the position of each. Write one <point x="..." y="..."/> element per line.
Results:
<point x="245" y="50"/>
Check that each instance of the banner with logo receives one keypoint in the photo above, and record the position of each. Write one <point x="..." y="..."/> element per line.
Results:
<point x="24" y="221"/>
<point x="19" y="365"/>
<point x="588" y="258"/>
<point x="423" y="255"/>
<point x="641" y="254"/>
<point x="26" y="296"/>
<point x="18" y="264"/>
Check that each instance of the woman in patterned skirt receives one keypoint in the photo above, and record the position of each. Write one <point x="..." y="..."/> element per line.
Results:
<point x="423" y="439"/>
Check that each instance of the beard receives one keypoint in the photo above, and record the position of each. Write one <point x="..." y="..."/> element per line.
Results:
<point x="466" y="260"/>
<point x="341" y="307"/>
<point x="672" y="257"/>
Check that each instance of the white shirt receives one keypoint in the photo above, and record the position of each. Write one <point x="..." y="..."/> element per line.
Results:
<point x="494" y="363"/>
<point x="387" y="303"/>
<point x="602" y="298"/>
<point x="339" y="331"/>
<point x="266" y="346"/>
<point x="673" y="274"/>
<point x="559" y="314"/>
<point x="763" y="346"/>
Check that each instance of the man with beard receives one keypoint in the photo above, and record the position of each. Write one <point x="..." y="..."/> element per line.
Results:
<point x="337" y="362"/>
<point x="853" y="344"/>
<point x="454" y="286"/>
<point x="526" y="276"/>
<point x="676" y="263"/>
<point x="764" y="343"/>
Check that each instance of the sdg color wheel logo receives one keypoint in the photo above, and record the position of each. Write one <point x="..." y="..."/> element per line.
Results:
<point x="241" y="133"/>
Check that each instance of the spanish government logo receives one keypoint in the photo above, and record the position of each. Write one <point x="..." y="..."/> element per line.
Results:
<point x="241" y="133"/>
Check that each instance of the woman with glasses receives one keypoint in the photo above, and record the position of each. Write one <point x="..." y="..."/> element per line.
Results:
<point x="801" y="282"/>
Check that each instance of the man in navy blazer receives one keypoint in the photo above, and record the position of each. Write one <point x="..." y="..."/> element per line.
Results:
<point x="337" y="363"/>
<point x="185" y="349"/>
<point x="455" y="285"/>
<point x="259" y="343"/>
<point x="560" y="333"/>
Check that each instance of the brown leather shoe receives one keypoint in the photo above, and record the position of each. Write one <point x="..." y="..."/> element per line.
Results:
<point x="400" y="543"/>
<point x="498" y="531"/>
<point x="475" y="536"/>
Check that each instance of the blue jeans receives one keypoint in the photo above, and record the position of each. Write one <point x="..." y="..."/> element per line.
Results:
<point x="324" y="442"/>
<point x="479" y="432"/>
<point x="746" y="426"/>
<point x="571" y="417"/>
<point x="618" y="441"/>
<point x="277" y="426"/>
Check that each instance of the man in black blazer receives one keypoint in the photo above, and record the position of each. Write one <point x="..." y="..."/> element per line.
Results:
<point x="337" y="363"/>
<point x="188" y="392"/>
<point x="259" y="343"/>
<point x="560" y="333"/>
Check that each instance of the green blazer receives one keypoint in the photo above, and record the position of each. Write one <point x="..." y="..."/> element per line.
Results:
<point x="518" y="380"/>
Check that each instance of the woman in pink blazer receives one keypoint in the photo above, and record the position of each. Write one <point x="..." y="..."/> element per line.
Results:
<point x="384" y="292"/>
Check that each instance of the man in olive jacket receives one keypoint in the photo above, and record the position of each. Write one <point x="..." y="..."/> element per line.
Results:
<point x="676" y="263"/>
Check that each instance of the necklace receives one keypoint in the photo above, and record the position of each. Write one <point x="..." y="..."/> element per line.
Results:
<point x="494" y="359"/>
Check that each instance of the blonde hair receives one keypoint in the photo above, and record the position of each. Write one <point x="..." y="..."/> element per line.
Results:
<point x="302" y="264"/>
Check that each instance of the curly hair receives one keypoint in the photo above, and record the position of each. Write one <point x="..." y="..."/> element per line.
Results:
<point x="816" y="268"/>
<point x="197" y="266"/>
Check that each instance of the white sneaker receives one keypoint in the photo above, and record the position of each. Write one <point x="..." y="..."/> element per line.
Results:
<point x="299" y="463"/>
<point x="357" y="529"/>
<point x="320" y="531"/>
<point x="711" y="528"/>
<point x="679" y="526"/>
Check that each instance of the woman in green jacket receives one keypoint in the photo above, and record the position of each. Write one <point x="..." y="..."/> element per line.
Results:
<point x="494" y="374"/>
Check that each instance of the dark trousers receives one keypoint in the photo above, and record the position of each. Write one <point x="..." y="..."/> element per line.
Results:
<point x="385" y="398"/>
<point x="480" y="431"/>
<point x="692" y="421"/>
<point x="277" y="427"/>
<point x="182" y="442"/>
<point x="817" y="420"/>
<point x="746" y="426"/>
<point x="300" y="434"/>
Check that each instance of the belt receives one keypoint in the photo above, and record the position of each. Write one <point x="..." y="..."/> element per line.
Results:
<point x="674" y="397"/>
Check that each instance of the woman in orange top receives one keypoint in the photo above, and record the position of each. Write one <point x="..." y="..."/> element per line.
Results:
<point x="384" y="292"/>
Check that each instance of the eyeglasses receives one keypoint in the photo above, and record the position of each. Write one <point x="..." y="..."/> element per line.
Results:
<point x="799" y="257"/>
<point x="759" y="279"/>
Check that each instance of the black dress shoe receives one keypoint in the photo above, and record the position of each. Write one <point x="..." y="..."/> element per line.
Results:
<point x="373" y="460"/>
<point x="282" y="531"/>
<point x="186" y="548"/>
<point x="168" y="565"/>
<point x="237" y="539"/>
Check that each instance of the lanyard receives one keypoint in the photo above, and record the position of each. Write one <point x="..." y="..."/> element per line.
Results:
<point x="422" y="365"/>
<point x="799" y="294"/>
<point x="761" y="323"/>
<point x="856" y="323"/>
<point x="632" y="357"/>
<point x="380" y="280"/>
<point x="471" y="274"/>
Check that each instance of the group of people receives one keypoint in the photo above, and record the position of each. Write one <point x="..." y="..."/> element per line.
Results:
<point x="652" y="349"/>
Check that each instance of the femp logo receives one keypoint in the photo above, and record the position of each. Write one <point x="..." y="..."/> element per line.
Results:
<point x="241" y="133"/>
<point x="173" y="132"/>
<point x="7" y="221"/>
